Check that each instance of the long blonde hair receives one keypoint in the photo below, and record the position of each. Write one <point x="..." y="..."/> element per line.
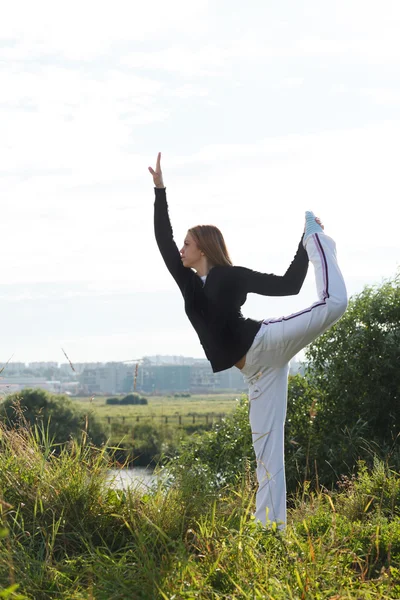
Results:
<point x="211" y="241"/>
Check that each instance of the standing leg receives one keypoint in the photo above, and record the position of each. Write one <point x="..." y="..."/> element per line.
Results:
<point x="268" y="398"/>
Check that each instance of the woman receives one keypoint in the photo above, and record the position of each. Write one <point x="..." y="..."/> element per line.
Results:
<point x="214" y="292"/>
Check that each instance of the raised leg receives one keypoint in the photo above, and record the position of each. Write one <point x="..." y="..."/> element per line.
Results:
<point x="284" y="337"/>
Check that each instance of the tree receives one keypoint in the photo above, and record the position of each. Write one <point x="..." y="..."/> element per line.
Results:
<point x="355" y="366"/>
<point x="56" y="413"/>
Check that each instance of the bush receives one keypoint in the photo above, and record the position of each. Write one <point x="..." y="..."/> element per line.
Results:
<point x="133" y="399"/>
<point x="112" y="401"/>
<point x="215" y="458"/>
<point x="129" y="399"/>
<point x="56" y="414"/>
<point x="355" y="368"/>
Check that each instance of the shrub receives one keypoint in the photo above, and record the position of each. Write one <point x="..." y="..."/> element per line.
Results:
<point x="129" y="399"/>
<point x="56" y="414"/>
<point x="112" y="401"/>
<point x="215" y="458"/>
<point x="355" y="367"/>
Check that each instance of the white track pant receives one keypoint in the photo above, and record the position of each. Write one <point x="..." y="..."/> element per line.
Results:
<point x="267" y="368"/>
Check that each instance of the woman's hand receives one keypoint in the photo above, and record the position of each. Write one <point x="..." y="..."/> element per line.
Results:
<point x="157" y="174"/>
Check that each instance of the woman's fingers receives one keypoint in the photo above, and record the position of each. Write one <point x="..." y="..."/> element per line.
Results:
<point x="157" y="175"/>
<point x="158" y="166"/>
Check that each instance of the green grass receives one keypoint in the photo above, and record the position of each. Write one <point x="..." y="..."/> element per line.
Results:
<point x="163" y="405"/>
<point x="65" y="534"/>
<point x="148" y="431"/>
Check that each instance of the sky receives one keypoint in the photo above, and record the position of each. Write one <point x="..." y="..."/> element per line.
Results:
<point x="261" y="110"/>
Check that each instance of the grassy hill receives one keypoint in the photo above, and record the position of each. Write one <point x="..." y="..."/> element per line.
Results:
<point x="66" y="534"/>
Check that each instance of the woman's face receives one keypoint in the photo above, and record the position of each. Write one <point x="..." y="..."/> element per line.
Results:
<point x="190" y="252"/>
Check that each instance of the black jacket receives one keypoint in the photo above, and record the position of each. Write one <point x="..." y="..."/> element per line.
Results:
<point x="215" y="308"/>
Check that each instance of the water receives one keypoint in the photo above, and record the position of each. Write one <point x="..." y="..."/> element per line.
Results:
<point x="141" y="477"/>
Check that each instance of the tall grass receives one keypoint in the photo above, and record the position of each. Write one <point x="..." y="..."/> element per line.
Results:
<point x="65" y="533"/>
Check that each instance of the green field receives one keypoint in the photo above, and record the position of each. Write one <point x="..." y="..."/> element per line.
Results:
<point x="147" y="431"/>
<point x="161" y="406"/>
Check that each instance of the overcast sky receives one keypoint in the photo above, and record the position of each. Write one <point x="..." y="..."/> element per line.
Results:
<point x="262" y="110"/>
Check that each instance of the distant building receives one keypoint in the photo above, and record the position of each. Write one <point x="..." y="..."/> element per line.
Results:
<point x="66" y="369"/>
<point x="36" y="366"/>
<point x="12" y="367"/>
<point x="80" y="367"/>
<point x="157" y="374"/>
<point x="152" y="378"/>
<point x="159" y="360"/>
<point x="196" y="377"/>
<point x="16" y="383"/>
<point x="109" y="378"/>
<point x="157" y="379"/>
<point x="203" y="380"/>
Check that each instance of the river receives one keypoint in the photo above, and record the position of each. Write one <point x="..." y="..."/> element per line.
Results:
<point x="137" y="477"/>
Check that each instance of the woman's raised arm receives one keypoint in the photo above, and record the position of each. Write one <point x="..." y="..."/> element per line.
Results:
<point x="268" y="284"/>
<point x="163" y="230"/>
<point x="288" y="284"/>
